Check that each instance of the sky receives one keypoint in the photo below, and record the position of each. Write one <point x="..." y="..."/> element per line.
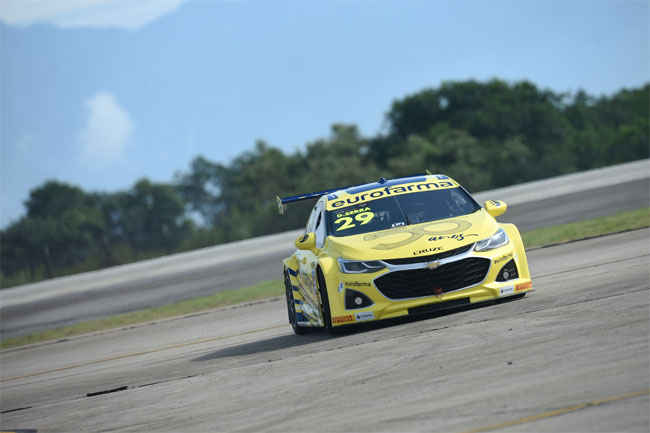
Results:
<point x="100" y="93"/>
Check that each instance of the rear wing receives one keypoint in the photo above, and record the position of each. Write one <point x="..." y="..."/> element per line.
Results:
<point x="294" y="198"/>
<point x="282" y="201"/>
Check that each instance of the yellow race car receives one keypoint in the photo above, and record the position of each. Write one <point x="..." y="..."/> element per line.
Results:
<point x="399" y="247"/>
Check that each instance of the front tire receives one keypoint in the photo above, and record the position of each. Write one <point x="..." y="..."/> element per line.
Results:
<point x="324" y="302"/>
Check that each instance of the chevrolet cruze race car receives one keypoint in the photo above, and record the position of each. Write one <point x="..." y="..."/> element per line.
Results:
<point x="399" y="247"/>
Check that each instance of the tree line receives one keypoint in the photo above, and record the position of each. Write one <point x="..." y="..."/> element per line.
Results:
<point x="484" y="134"/>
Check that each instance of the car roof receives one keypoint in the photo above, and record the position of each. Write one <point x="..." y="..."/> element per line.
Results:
<point x="383" y="183"/>
<point x="328" y="196"/>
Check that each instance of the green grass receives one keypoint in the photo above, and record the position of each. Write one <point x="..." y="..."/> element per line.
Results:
<point x="265" y="290"/>
<point x="543" y="236"/>
<point x="589" y="228"/>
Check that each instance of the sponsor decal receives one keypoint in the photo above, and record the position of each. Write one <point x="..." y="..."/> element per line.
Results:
<point x="342" y="319"/>
<point x="428" y="250"/>
<point x="351" y="284"/>
<point x="390" y="190"/>
<point x="506" y="290"/>
<point x="304" y="238"/>
<point x="524" y="286"/>
<point x="340" y="287"/>
<point x="445" y="228"/>
<point x="369" y="315"/>
<point x="459" y="237"/>
<point x="432" y="265"/>
<point x="438" y="292"/>
<point x="494" y="203"/>
<point x="502" y="259"/>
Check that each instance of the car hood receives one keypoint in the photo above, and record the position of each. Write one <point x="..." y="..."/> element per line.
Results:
<point x="418" y="239"/>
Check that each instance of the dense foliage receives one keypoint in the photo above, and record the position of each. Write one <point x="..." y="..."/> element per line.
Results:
<point x="485" y="135"/>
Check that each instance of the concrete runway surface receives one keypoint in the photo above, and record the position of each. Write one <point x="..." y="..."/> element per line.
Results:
<point x="571" y="356"/>
<point x="92" y="295"/>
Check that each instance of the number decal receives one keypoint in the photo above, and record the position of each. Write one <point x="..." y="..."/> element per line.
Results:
<point x="365" y="217"/>
<point x="347" y="222"/>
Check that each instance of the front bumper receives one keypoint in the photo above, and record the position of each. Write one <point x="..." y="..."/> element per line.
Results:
<point x="408" y="286"/>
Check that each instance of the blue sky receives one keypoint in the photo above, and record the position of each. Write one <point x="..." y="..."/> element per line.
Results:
<point x="99" y="93"/>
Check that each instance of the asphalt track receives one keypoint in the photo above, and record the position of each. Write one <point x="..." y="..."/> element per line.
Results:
<point x="93" y="295"/>
<point x="571" y="356"/>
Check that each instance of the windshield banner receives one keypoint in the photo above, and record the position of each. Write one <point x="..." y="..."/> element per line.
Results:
<point x="344" y="199"/>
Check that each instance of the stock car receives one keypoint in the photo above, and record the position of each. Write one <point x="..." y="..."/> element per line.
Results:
<point x="399" y="247"/>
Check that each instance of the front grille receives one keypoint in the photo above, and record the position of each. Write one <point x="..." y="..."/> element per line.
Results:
<point x="417" y="283"/>
<point x="429" y="258"/>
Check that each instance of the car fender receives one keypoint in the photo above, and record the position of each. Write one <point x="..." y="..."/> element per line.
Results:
<point x="327" y="264"/>
<point x="291" y="263"/>
<point x="291" y="267"/>
<point x="329" y="268"/>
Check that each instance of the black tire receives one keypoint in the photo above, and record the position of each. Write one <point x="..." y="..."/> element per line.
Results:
<point x="291" y="308"/>
<point x="325" y="302"/>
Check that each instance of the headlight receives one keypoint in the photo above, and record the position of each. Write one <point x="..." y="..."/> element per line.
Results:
<point x="357" y="267"/>
<point x="499" y="239"/>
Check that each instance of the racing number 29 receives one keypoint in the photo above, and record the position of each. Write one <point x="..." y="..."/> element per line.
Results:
<point x="347" y="222"/>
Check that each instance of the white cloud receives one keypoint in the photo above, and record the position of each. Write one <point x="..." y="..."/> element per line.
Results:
<point x="107" y="132"/>
<point x="126" y="14"/>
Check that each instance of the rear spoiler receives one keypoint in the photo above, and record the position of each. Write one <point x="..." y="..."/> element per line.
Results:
<point x="282" y="201"/>
<point x="294" y="198"/>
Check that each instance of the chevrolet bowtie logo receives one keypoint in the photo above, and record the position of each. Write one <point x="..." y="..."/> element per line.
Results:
<point x="432" y="265"/>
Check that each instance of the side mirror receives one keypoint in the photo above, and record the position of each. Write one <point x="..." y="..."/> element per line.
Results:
<point x="306" y="241"/>
<point x="495" y="207"/>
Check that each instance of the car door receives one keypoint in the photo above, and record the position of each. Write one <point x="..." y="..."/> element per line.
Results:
<point x="308" y="260"/>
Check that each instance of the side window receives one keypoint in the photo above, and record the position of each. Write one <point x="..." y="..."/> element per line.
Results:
<point x="311" y="222"/>
<point x="318" y="220"/>
<point x="319" y="228"/>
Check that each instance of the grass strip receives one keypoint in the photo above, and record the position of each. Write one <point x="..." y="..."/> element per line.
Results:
<point x="265" y="290"/>
<point x="619" y="222"/>
<point x="543" y="236"/>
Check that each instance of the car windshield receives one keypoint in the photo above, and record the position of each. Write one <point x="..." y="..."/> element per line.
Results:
<point x="399" y="210"/>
